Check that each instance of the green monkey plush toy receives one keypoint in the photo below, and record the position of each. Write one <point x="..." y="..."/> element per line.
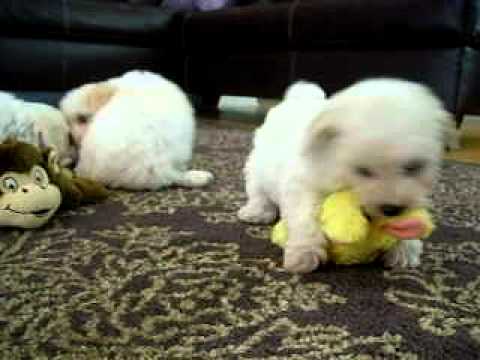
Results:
<point x="33" y="186"/>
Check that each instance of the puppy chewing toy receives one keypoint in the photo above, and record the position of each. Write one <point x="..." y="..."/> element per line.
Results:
<point x="353" y="238"/>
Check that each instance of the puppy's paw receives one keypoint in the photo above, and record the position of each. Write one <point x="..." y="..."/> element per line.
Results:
<point x="406" y="254"/>
<point x="303" y="259"/>
<point x="198" y="178"/>
<point x="257" y="215"/>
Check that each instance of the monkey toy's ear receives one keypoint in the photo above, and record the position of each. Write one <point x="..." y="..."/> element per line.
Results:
<point x="75" y="190"/>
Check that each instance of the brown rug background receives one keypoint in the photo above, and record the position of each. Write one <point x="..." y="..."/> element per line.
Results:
<point x="174" y="275"/>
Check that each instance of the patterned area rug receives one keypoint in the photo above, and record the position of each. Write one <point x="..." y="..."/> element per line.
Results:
<point x="174" y="275"/>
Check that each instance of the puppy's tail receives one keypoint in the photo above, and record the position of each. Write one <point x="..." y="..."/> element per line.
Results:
<point x="195" y="178"/>
<point x="304" y="90"/>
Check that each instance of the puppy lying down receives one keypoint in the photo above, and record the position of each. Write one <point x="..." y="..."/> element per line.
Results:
<point x="35" y="123"/>
<point x="381" y="138"/>
<point x="136" y="132"/>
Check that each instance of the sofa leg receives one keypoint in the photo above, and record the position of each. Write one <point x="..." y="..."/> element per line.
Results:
<point x="459" y="120"/>
<point x="208" y="105"/>
<point x="452" y="140"/>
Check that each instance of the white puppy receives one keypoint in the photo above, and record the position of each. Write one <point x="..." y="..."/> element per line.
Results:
<point x="381" y="138"/>
<point x="135" y="132"/>
<point x="35" y="123"/>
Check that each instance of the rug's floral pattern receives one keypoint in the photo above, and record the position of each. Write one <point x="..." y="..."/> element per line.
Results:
<point x="174" y="275"/>
<point x="457" y="196"/>
<point x="447" y="300"/>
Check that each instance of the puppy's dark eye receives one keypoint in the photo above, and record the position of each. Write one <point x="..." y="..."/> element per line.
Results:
<point x="413" y="167"/>
<point x="82" y="119"/>
<point x="364" y="172"/>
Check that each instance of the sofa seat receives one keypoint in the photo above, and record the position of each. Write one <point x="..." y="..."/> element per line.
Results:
<point x="258" y="28"/>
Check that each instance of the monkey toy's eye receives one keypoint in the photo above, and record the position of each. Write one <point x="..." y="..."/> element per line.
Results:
<point x="39" y="176"/>
<point x="10" y="184"/>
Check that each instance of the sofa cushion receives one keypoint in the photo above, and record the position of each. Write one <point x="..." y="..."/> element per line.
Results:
<point x="318" y="23"/>
<point x="90" y="20"/>
<point x="337" y="68"/>
<point x="261" y="27"/>
<point x="473" y="23"/>
<point x="197" y="5"/>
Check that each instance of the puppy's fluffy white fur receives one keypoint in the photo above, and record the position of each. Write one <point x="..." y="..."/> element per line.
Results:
<point x="135" y="132"/>
<point x="35" y="123"/>
<point x="382" y="138"/>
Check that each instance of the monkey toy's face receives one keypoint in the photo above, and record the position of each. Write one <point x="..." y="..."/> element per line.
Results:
<point x="27" y="200"/>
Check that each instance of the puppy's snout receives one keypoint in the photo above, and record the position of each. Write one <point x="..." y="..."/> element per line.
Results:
<point x="391" y="210"/>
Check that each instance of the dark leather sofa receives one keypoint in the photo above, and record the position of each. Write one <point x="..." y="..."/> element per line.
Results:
<point x="49" y="46"/>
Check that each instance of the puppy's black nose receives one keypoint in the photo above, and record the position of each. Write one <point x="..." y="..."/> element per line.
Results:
<point x="391" y="210"/>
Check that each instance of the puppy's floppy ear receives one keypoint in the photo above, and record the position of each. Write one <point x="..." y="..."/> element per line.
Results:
<point x="98" y="95"/>
<point x="322" y="133"/>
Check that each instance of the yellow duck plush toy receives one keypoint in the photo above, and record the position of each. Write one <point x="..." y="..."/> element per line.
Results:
<point x="353" y="238"/>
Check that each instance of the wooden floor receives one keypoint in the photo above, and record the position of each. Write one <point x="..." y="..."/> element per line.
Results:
<point x="470" y="142"/>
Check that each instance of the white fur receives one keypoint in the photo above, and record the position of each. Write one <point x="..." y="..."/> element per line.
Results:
<point x="141" y="138"/>
<point x="35" y="123"/>
<point x="309" y="147"/>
